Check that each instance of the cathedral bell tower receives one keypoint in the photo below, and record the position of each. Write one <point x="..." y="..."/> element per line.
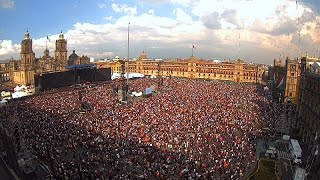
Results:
<point x="26" y="53"/>
<point x="61" y="53"/>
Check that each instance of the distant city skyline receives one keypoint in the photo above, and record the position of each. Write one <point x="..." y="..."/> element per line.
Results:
<point x="253" y="30"/>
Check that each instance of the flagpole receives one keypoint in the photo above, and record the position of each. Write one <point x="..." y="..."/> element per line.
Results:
<point x="192" y="50"/>
<point x="239" y="48"/>
<point x="128" y="54"/>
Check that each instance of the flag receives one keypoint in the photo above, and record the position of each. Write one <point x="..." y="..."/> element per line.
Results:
<point x="281" y="83"/>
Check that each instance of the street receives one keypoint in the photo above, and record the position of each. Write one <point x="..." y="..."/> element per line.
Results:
<point x="286" y="167"/>
<point x="283" y="126"/>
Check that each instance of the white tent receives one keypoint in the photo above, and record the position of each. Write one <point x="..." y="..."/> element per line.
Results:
<point x="20" y="88"/>
<point x="137" y="94"/>
<point x="18" y="94"/>
<point x="3" y="102"/>
<point x="131" y="75"/>
<point x="115" y="76"/>
<point x="134" y="75"/>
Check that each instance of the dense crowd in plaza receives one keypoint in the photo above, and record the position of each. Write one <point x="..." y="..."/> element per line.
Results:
<point x="191" y="129"/>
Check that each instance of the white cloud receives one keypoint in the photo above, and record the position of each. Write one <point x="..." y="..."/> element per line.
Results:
<point x="151" y="11"/>
<point x="183" y="17"/>
<point x="123" y="8"/>
<point x="7" y="4"/>
<point x="102" y="5"/>
<point x="8" y="49"/>
<point x="108" y="18"/>
<point x="212" y="25"/>
<point x="184" y="3"/>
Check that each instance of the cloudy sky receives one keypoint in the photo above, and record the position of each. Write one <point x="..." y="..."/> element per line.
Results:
<point x="262" y="29"/>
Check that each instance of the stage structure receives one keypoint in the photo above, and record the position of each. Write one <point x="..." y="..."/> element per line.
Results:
<point x="76" y="74"/>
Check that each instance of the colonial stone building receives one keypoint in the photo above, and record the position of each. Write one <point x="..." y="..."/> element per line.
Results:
<point x="75" y="59"/>
<point x="237" y="71"/>
<point x="308" y="113"/>
<point x="22" y="71"/>
<point x="293" y="72"/>
<point x="46" y="63"/>
<point x="61" y="53"/>
<point x="4" y="72"/>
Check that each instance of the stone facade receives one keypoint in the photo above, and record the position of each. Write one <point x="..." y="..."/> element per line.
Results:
<point x="308" y="112"/>
<point x="75" y="59"/>
<point x="4" y="72"/>
<point x="293" y="71"/>
<point x="193" y="68"/>
<point x="293" y="74"/>
<point x="61" y="53"/>
<point x="22" y="71"/>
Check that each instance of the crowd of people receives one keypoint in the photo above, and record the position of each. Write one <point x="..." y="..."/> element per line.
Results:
<point x="190" y="129"/>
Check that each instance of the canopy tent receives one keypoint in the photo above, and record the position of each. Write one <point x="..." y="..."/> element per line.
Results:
<point x="19" y="94"/>
<point x="137" y="94"/>
<point x="115" y="76"/>
<point x="20" y="88"/>
<point x="134" y="75"/>
<point x="131" y="75"/>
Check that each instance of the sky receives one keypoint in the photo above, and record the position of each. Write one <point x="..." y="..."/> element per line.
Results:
<point x="253" y="30"/>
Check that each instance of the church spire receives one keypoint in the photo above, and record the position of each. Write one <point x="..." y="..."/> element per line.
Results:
<point x="61" y="36"/>
<point x="27" y="35"/>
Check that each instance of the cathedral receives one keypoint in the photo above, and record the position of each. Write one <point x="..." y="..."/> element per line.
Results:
<point x="22" y="71"/>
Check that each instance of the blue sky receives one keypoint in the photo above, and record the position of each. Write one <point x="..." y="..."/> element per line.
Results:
<point x="165" y="28"/>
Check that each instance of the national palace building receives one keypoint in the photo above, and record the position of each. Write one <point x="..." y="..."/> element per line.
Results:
<point x="194" y="68"/>
<point x="22" y="71"/>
